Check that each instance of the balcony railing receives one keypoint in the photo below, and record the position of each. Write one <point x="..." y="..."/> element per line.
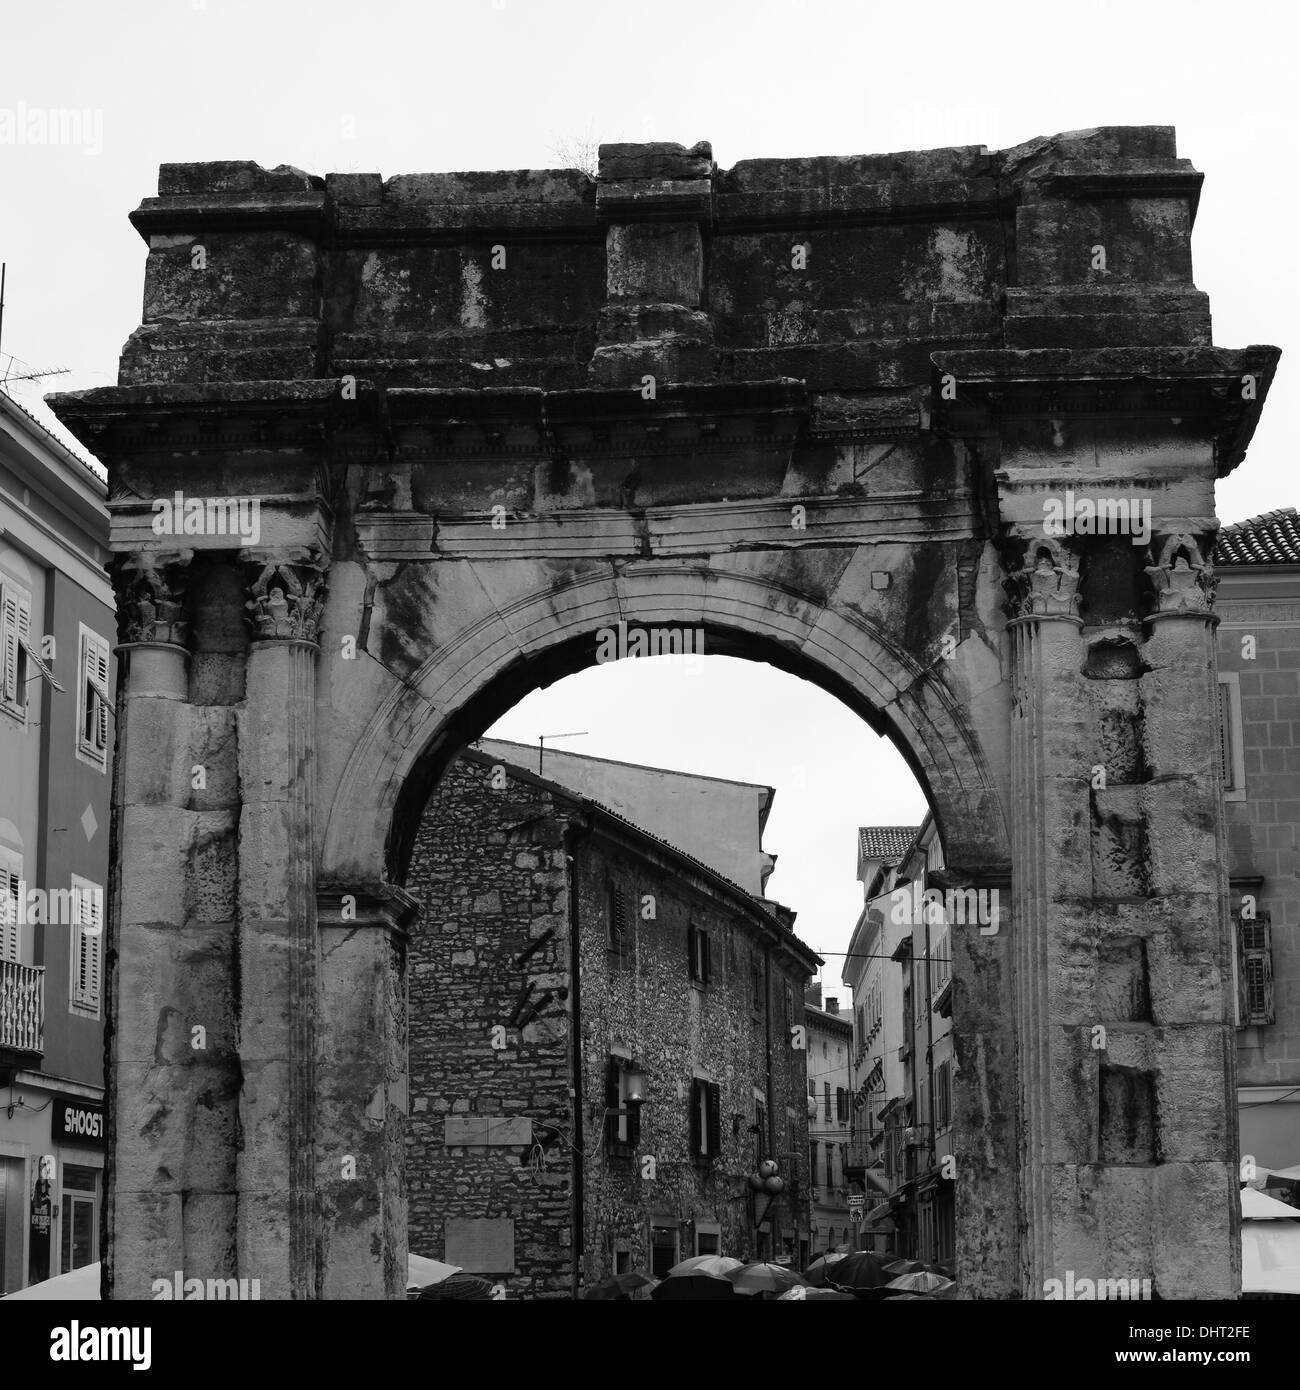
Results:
<point x="22" y="1007"/>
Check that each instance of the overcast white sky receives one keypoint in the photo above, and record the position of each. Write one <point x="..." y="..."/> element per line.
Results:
<point x="397" y="88"/>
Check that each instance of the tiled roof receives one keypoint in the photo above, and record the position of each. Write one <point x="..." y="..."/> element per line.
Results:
<point x="887" y="842"/>
<point x="1270" y="539"/>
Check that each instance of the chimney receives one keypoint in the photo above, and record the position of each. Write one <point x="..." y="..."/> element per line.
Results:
<point x="833" y="1006"/>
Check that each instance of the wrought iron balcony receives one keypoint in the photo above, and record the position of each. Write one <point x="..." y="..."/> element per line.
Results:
<point x="22" y="1007"/>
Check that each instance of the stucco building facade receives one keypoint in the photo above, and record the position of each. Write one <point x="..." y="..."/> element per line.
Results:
<point x="1258" y="563"/>
<point x="57" y="631"/>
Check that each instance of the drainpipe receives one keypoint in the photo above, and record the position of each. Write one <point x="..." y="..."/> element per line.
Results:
<point x="572" y="836"/>
<point x="771" y="1098"/>
<point x="929" y="1028"/>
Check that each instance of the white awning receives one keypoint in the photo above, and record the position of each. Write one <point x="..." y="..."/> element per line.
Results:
<point x="1270" y="1257"/>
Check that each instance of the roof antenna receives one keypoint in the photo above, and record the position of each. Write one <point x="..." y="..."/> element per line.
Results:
<point x="541" y="745"/>
<point x="24" y="376"/>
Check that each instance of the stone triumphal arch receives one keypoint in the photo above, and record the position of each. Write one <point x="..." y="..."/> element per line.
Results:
<point x="387" y="454"/>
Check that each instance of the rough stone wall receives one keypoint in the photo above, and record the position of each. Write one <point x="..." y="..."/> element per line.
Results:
<point x="675" y="1031"/>
<point x="489" y="869"/>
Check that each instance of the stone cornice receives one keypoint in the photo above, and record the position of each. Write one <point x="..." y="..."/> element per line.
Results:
<point x="1206" y="382"/>
<point x="418" y="423"/>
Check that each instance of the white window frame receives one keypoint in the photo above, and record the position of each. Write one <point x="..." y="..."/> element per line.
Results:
<point x="87" y="946"/>
<point x="1234" y="787"/>
<point x="15" y="631"/>
<point x="94" y="648"/>
<point x="11" y="875"/>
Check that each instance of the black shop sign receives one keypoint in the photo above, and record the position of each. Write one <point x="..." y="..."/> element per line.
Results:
<point x="77" y="1121"/>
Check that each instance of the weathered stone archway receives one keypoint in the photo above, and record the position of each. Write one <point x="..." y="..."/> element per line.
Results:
<point x="845" y="474"/>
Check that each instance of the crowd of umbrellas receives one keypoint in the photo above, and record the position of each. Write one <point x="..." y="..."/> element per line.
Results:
<point x="840" y="1275"/>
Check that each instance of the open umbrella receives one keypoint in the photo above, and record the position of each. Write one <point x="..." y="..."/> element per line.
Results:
<point x="897" y="1267"/>
<point x="822" y="1268"/>
<point x="620" y="1286"/>
<point x="763" y="1277"/>
<point x="715" y="1266"/>
<point x="421" y="1271"/>
<point x="806" y="1294"/>
<point x="859" y="1272"/>
<point x="459" y="1287"/>
<point x="923" y="1282"/>
<point x="693" y="1287"/>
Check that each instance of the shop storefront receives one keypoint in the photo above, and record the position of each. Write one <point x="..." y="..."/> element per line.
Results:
<point x="51" y="1182"/>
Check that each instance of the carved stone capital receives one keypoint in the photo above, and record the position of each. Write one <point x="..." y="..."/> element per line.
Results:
<point x="287" y="596"/>
<point x="1182" y="579"/>
<point x="1044" y="581"/>
<point x="151" y="596"/>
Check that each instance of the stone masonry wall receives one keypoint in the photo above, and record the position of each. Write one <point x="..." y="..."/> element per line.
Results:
<point x="493" y="952"/>
<point x="676" y="1031"/>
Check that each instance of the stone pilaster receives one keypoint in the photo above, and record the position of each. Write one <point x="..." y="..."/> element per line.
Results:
<point x="362" y="1097"/>
<point x="1194" y="1049"/>
<point x="1046" y="657"/>
<point x="278" y="950"/>
<point x="169" y="1182"/>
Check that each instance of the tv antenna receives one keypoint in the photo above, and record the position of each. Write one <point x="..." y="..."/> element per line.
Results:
<point x="9" y="374"/>
<point x="541" y="745"/>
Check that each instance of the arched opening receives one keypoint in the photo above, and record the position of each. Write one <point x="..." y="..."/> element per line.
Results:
<point x="920" y="718"/>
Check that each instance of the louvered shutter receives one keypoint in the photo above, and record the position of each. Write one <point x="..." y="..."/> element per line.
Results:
<point x="1225" y="737"/>
<point x="9" y="627"/>
<point x="708" y="956"/>
<point x="713" y="1093"/>
<point x="1255" y="970"/>
<point x="11" y="872"/>
<point x="89" y="947"/>
<point x="697" y="1088"/>
<point x="692" y="958"/>
<point x="99" y="672"/>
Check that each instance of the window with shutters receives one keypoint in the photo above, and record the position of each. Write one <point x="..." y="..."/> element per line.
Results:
<point x="841" y="1105"/>
<point x="15" y="633"/>
<point x="826" y="1089"/>
<point x="87" y="947"/>
<point x="622" y="1118"/>
<point x="1254" y="970"/>
<point x="705" y="1120"/>
<point x="756" y="980"/>
<point x="11" y="875"/>
<point x="830" y="1165"/>
<point x="699" y="955"/>
<point x="94" y="703"/>
<point x="1232" y="757"/>
<point x="943" y="1096"/>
